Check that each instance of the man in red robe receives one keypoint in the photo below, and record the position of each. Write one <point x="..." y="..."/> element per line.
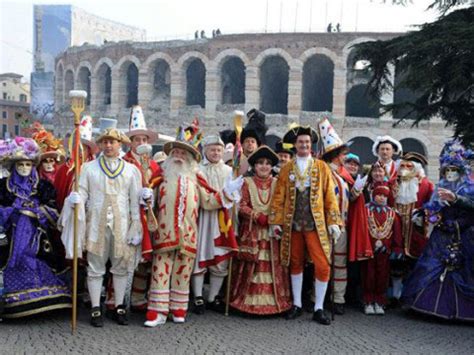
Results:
<point x="385" y="148"/>
<point x="411" y="193"/>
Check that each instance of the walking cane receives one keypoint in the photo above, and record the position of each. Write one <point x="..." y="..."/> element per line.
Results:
<point x="332" y="277"/>
<point x="238" y="118"/>
<point x="78" y="98"/>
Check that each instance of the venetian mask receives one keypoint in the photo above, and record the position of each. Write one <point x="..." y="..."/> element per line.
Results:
<point x="406" y="168"/>
<point x="48" y="165"/>
<point x="24" y="167"/>
<point x="452" y="174"/>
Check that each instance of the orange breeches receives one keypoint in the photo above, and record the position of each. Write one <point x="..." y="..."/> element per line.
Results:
<point x="308" y="241"/>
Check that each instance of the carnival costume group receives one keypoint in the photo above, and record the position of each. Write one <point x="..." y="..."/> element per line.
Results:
<point x="225" y="222"/>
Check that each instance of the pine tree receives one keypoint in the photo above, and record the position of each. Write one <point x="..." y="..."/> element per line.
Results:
<point x="437" y="63"/>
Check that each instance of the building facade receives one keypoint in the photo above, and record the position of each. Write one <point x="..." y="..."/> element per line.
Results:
<point x="57" y="27"/>
<point x="13" y="88"/>
<point x="293" y="77"/>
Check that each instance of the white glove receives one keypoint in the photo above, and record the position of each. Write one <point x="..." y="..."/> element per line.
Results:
<point x="74" y="198"/>
<point x="275" y="231"/>
<point x="135" y="239"/>
<point x="233" y="185"/>
<point x="417" y="218"/>
<point x="146" y="193"/>
<point x="335" y="232"/>
<point x="359" y="184"/>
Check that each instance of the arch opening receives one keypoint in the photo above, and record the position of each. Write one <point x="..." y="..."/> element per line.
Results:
<point x="161" y="85"/>
<point x="104" y="92"/>
<point x="274" y="77"/>
<point x="68" y="83"/>
<point x="362" y="146"/>
<point x="360" y="104"/>
<point x="233" y="81"/>
<point x="131" y="85"/>
<point x="318" y="83"/>
<point x="84" y="82"/>
<point x="196" y="83"/>
<point x="60" y="85"/>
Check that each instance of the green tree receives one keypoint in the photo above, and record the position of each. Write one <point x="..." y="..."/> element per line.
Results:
<point x="437" y="62"/>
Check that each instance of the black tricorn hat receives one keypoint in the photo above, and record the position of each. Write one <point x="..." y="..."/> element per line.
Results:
<point x="227" y="136"/>
<point x="263" y="152"/>
<point x="282" y="147"/>
<point x="290" y="136"/>
<point x="255" y="128"/>
<point x="416" y="157"/>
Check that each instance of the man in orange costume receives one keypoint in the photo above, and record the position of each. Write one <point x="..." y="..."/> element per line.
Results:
<point x="305" y="213"/>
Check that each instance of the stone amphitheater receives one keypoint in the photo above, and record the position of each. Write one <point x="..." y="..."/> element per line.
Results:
<point x="293" y="77"/>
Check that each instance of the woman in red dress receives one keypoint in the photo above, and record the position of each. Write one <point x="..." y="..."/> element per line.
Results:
<point x="260" y="284"/>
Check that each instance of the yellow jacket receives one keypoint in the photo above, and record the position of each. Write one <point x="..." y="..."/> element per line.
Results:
<point x="324" y="205"/>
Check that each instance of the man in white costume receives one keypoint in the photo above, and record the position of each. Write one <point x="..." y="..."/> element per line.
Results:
<point x="109" y="189"/>
<point x="216" y="240"/>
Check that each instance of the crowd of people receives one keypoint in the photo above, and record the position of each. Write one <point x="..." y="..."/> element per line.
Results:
<point x="223" y="222"/>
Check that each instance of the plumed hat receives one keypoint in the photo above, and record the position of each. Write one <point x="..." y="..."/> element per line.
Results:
<point x="397" y="147"/>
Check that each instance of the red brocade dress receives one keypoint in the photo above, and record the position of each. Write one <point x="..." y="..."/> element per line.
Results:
<point x="257" y="272"/>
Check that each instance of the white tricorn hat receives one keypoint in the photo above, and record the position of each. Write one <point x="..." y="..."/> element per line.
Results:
<point x="137" y="125"/>
<point x="212" y="140"/>
<point x="387" y="139"/>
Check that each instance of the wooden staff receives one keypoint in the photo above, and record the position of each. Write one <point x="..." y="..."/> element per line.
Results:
<point x="238" y="118"/>
<point x="275" y="294"/>
<point x="78" y="98"/>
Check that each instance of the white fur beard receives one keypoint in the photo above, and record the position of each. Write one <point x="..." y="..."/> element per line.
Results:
<point x="407" y="191"/>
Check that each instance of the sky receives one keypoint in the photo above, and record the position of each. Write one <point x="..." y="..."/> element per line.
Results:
<point x="172" y="19"/>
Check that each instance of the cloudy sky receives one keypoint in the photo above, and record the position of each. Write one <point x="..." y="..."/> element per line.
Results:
<point x="169" y="19"/>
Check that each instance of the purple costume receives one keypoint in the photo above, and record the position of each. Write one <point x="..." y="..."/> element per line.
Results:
<point x="26" y="213"/>
<point x="442" y="281"/>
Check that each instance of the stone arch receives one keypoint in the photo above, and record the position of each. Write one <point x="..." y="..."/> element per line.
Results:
<point x="155" y="57"/>
<point x="83" y="79"/>
<point x="318" y="83"/>
<point x="273" y="52"/>
<point x="362" y="146"/>
<point x="68" y="82"/>
<point x="184" y="60"/>
<point x="59" y="84"/>
<point x="100" y="62"/>
<point x="103" y="75"/>
<point x="360" y="104"/>
<point x="127" y="73"/>
<point x="232" y="80"/>
<point x="274" y="79"/>
<point x="347" y="49"/>
<point x="221" y="58"/>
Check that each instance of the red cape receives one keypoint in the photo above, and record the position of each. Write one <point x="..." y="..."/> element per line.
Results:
<point x="147" y="247"/>
<point x="360" y="247"/>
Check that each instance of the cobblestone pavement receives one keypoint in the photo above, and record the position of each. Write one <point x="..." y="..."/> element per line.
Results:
<point x="354" y="333"/>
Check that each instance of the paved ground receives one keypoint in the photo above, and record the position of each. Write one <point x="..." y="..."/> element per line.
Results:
<point x="353" y="333"/>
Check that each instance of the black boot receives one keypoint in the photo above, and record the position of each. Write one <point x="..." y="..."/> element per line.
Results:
<point x="294" y="312"/>
<point x="199" y="306"/>
<point x="217" y="305"/>
<point x="97" y="319"/>
<point x="121" y="315"/>
<point x="321" y="317"/>
<point x="339" y="308"/>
